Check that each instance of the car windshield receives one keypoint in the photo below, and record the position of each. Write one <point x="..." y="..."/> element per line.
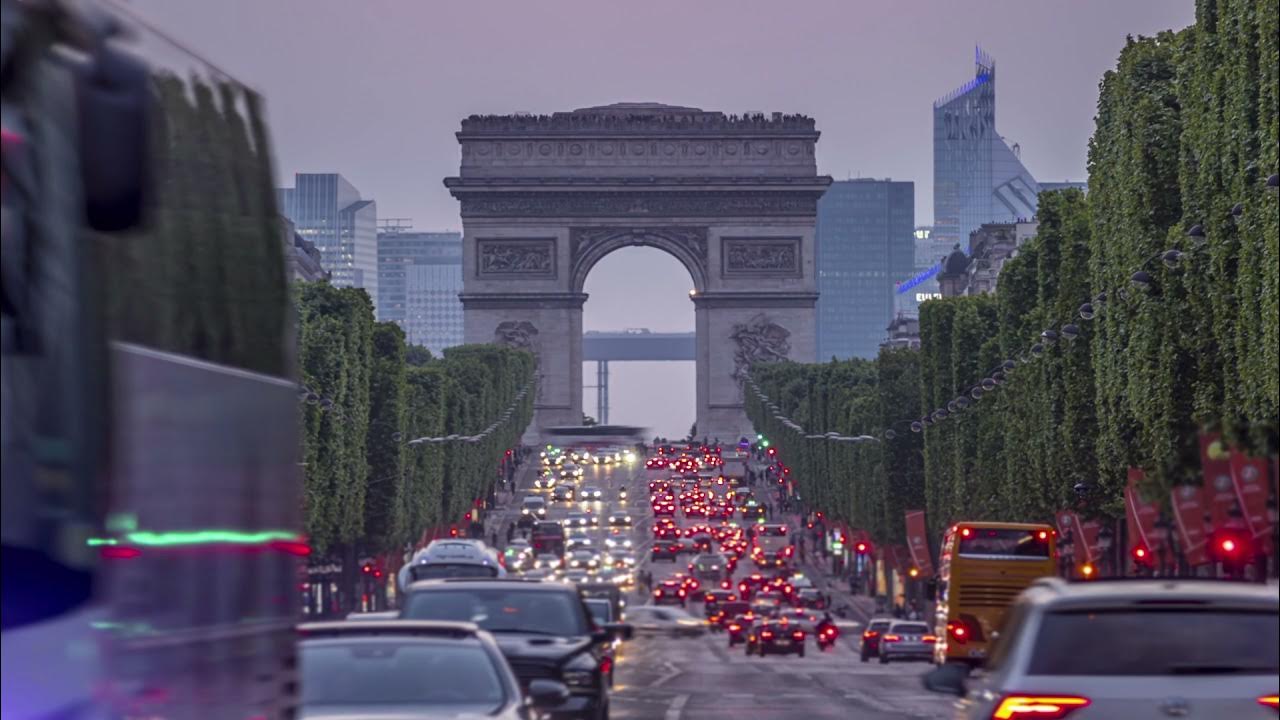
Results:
<point x="501" y="609"/>
<point x="394" y="672"/>
<point x="1002" y="542"/>
<point x="1158" y="642"/>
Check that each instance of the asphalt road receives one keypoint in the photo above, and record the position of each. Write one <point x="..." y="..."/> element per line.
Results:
<point x="659" y="678"/>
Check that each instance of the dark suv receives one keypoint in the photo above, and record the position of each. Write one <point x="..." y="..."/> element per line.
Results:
<point x="543" y="629"/>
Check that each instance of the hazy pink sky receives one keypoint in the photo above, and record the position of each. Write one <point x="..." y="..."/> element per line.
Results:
<point x="375" y="89"/>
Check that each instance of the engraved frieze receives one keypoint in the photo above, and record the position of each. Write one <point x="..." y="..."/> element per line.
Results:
<point x="516" y="257"/>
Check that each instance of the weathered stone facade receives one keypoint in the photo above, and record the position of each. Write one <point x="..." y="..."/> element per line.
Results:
<point x="734" y="199"/>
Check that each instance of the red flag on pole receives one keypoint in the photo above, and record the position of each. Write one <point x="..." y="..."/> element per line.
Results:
<point x="1188" y="513"/>
<point x="1141" y="515"/>
<point x="918" y="542"/>
<point x="1219" y="492"/>
<point x="1249" y="476"/>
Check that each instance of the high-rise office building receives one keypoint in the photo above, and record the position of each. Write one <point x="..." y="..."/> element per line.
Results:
<point x="328" y="211"/>
<point x="865" y="247"/>
<point x="977" y="177"/>
<point x="923" y="285"/>
<point x="419" y="278"/>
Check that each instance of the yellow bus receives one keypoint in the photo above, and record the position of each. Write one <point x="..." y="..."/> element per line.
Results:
<point x="984" y="566"/>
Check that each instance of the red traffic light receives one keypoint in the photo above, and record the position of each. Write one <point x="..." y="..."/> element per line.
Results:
<point x="862" y="548"/>
<point x="366" y="569"/>
<point x="1231" y="546"/>
<point x="1141" y="555"/>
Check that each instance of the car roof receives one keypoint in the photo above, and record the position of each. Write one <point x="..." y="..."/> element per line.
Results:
<point x="384" y="628"/>
<point x="1138" y="593"/>
<point x="489" y="584"/>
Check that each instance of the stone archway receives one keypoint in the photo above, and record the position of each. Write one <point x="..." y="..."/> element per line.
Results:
<point x="734" y="199"/>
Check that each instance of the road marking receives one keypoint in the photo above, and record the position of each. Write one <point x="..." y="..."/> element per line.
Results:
<point x="672" y="672"/>
<point x="676" y="706"/>
<point x="870" y="701"/>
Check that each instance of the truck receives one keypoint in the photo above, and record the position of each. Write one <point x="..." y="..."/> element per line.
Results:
<point x="548" y="537"/>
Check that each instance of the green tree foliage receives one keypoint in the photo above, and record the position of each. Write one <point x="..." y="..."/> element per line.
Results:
<point x="1186" y="135"/>
<point x="366" y="486"/>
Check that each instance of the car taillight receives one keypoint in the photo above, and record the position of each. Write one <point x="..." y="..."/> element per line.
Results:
<point x="1041" y="707"/>
<point x="606" y="664"/>
<point x="734" y="627"/>
<point x="958" y="632"/>
<point x="892" y="638"/>
<point x="766" y="634"/>
<point x="870" y="634"/>
<point x="929" y="638"/>
<point x="680" y="592"/>
<point x="1271" y="701"/>
<point x="657" y="593"/>
<point x="799" y="634"/>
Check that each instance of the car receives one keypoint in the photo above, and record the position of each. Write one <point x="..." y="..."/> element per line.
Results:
<point x="666" y="509"/>
<point x="547" y="561"/>
<point x="376" y="669"/>
<point x="620" y="520"/>
<point x="674" y="622"/>
<point x="727" y="610"/>
<point x="539" y="574"/>
<point x="577" y="519"/>
<point x="871" y="637"/>
<point x="591" y="493"/>
<point x="577" y="576"/>
<point x="907" y="640"/>
<point x="379" y="615"/>
<point x="621" y="558"/>
<point x="664" y="550"/>
<point x="542" y="628"/>
<point x="670" y="592"/>
<point x="775" y="637"/>
<point x="545" y="480"/>
<point x="751" y="584"/>
<point x="738" y="627"/>
<point x="563" y="493"/>
<point x="810" y="598"/>
<point x="1164" y="647"/>
<point x="619" y="541"/>
<point x="583" y="560"/>
<point x="578" y="542"/>
<point x="602" y="612"/>
<point x="714" y="597"/>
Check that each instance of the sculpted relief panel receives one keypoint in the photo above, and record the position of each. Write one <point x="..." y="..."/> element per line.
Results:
<point x="758" y="340"/>
<point x="760" y="256"/>
<point x="521" y="259"/>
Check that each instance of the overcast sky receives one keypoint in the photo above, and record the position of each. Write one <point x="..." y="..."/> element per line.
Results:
<point x="375" y="89"/>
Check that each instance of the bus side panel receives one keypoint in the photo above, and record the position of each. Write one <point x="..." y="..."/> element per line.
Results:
<point x="207" y="493"/>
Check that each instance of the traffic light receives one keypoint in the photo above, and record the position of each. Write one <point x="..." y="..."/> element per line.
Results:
<point x="367" y="569"/>
<point x="862" y="548"/>
<point x="1231" y="547"/>
<point x="1141" y="555"/>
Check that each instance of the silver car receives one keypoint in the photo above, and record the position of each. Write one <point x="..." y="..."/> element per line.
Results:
<point x="906" y="640"/>
<point x="1139" y="649"/>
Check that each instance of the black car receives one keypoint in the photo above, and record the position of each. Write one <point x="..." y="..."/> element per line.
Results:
<point x="776" y="638"/>
<point x="543" y="629"/>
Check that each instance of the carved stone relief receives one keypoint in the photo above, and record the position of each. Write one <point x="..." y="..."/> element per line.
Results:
<point x="519" y="334"/>
<point x="758" y="340"/>
<point x="517" y="258"/>
<point x="760" y="256"/>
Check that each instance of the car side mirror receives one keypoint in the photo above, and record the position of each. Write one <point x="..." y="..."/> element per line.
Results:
<point x="620" y="631"/>
<point x="948" y="678"/>
<point x="545" y="693"/>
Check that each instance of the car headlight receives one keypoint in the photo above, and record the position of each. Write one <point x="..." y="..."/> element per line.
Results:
<point x="524" y="511"/>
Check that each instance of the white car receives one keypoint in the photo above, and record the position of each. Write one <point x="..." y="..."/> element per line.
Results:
<point x="620" y="520"/>
<point x="619" y="542"/>
<point x="534" y="506"/>
<point x="576" y="519"/>
<point x="591" y="492"/>
<point x="654" y="620"/>
<point x="583" y="560"/>
<point x="1134" y="649"/>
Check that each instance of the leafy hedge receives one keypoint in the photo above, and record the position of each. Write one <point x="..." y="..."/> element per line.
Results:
<point x="1186" y="136"/>
<point x="365" y="486"/>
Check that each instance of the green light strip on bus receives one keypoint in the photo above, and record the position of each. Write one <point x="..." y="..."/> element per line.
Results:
<point x="197" y="537"/>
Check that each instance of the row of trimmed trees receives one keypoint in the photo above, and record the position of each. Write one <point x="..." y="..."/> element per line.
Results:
<point x="368" y="492"/>
<point x="1185" y="141"/>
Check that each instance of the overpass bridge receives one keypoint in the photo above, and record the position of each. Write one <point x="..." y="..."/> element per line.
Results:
<point x="632" y="345"/>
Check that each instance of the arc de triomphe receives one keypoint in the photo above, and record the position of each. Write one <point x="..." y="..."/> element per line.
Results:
<point x="734" y="199"/>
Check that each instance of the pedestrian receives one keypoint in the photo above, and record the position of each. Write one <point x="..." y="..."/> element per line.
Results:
<point x="511" y="532"/>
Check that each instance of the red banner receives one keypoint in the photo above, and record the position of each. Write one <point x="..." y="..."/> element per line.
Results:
<point x="1141" y="515"/>
<point x="902" y="559"/>
<point x="1084" y="537"/>
<point x="1188" y="513"/>
<point x="918" y="542"/>
<point x="1249" y="475"/>
<point x="1219" y="493"/>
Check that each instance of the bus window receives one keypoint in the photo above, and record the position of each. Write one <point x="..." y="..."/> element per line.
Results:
<point x="1004" y="542"/>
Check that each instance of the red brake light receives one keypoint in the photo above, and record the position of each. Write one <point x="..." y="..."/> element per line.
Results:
<point x="1271" y="701"/>
<point x="735" y="627"/>
<point x="606" y="664"/>
<point x="870" y="634"/>
<point x="929" y="638"/>
<point x="799" y="634"/>
<point x="1042" y="707"/>
<point x="958" y="632"/>
<point x="1042" y="535"/>
<point x="892" y="638"/>
<point x="766" y="634"/>
<point x="966" y="532"/>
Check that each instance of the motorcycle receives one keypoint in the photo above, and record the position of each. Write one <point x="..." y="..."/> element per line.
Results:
<point x="827" y="636"/>
<point x="622" y="494"/>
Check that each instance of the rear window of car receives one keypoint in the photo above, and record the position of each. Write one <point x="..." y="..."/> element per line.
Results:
<point x="878" y="626"/>
<point x="1157" y="642"/>
<point x="998" y="542"/>
<point x="395" y="673"/>
<point x="916" y="629"/>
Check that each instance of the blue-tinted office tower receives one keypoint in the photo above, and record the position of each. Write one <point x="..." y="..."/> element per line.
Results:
<point x="328" y="211"/>
<point x="866" y="245"/>
<point x="977" y="177"/>
<point x="419" y="278"/>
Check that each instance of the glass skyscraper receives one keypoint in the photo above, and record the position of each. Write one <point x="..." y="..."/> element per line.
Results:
<point x="328" y="211"/>
<point x="977" y="177"/>
<point x="866" y="246"/>
<point x="419" y="278"/>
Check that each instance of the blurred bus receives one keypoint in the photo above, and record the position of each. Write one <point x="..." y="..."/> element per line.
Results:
<point x="984" y="567"/>
<point x="152" y="499"/>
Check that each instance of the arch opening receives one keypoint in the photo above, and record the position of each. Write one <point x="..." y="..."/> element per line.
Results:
<point x="638" y="334"/>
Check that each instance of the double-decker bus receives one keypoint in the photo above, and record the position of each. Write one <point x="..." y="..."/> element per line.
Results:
<point x="152" y="494"/>
<point x="984" y="566"/>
